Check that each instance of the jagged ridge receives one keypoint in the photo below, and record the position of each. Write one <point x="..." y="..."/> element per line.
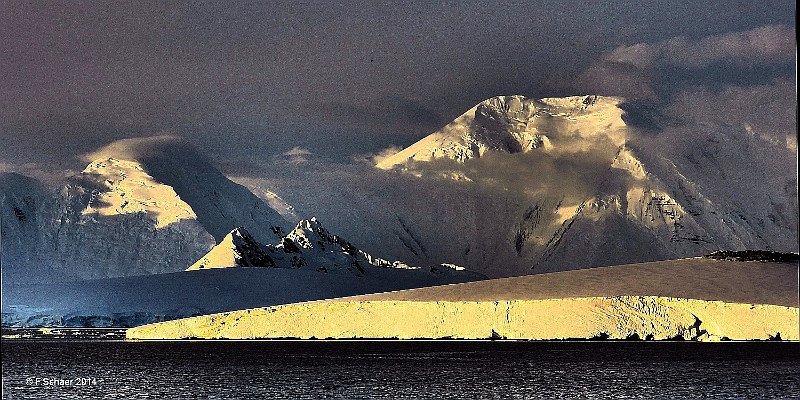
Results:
<point x="308" y="245"/>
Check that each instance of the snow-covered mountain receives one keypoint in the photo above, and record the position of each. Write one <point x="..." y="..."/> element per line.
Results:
<point x="513" y="186"/>
<point x="599" y="192"/>
<point x="307" y="246"/>
<point x="519" y="185"/>
<point x="515" y="124"/>
<point x="142" y="206"/>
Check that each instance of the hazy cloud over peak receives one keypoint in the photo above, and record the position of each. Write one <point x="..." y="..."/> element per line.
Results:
<point x="652" y="70"/>
<point x="296" y="155"/>
<point x="764" y="45"/>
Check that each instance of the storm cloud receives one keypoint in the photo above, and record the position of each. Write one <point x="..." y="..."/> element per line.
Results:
<point x="249" y="81"/>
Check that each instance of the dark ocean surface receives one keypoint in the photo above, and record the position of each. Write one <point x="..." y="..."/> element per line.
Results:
<point x="396" y="370"/>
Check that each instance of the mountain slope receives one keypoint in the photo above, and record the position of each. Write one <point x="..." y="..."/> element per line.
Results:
<point x="218" y="203"/>
<point x="130" y="190"/>
<point x="142" y="206"/>
<point x="23" y="248"/>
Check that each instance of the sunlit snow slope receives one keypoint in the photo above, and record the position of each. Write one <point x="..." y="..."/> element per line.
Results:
<point x="692" y="299"/>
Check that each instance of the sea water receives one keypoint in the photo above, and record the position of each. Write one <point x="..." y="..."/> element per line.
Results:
<point x="398" y="370"/>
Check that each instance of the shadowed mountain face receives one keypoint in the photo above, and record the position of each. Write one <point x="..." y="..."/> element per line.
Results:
<point x="22" y="241"/>
<point x="117" y="220"/>
<point x="141" y="207"/>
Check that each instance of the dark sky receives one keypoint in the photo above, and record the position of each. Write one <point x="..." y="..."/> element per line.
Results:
<point x="248" y="80"/>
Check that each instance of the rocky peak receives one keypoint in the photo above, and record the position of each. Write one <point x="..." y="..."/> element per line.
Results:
<point x="308" y="245"/>
<point x="240" y="237"/>
<point x="309" y="234"/>
<point x="248" y="252"/>
<point x="504" y="123"/>
<point x="507" y="111"/>
<point x="237" y="249"/>
<point x="517" y="124"/>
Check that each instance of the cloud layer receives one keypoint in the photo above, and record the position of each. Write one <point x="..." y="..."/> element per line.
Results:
<point x="246" y="80"/>
<point x="654" y="70"/>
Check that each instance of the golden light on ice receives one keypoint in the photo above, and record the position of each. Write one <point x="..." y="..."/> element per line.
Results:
<point x="129" y="189"/>
<point x="696" y="299"/>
